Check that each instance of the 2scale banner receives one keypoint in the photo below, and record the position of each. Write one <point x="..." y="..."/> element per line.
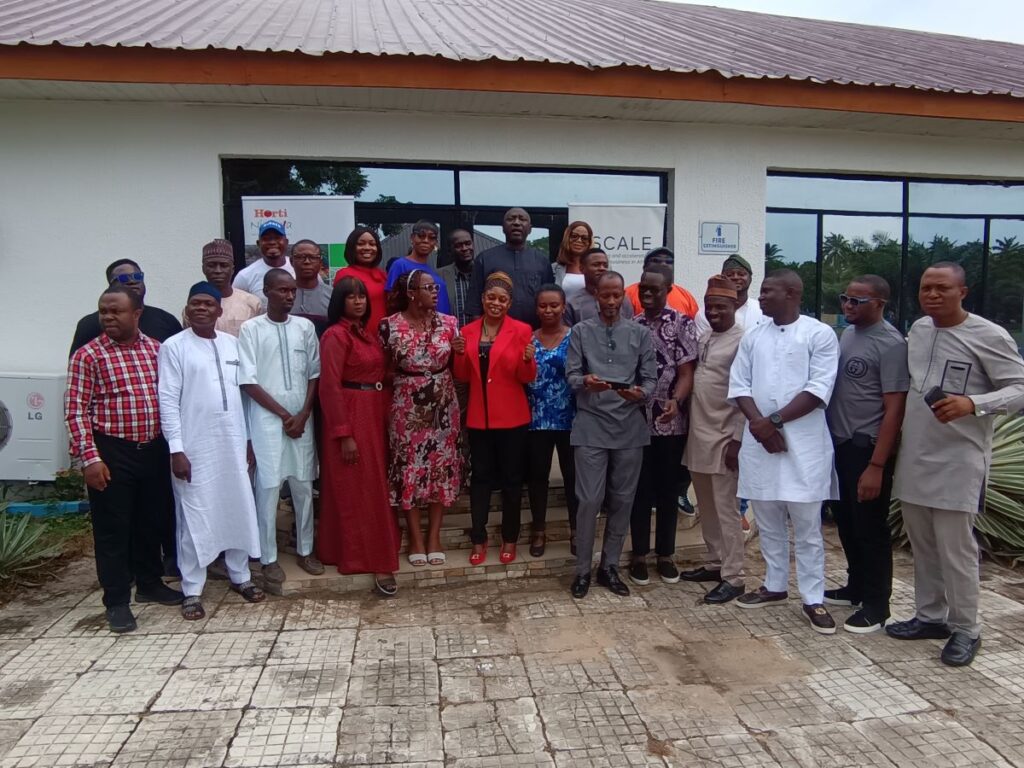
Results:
<point x="326" y="220"/>
<point x="625" y="231"/>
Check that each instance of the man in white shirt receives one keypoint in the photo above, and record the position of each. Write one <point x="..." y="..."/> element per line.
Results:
<point x="748" y="313"/>
<point x="782" y="380"/>
<point x="273" y="245"/>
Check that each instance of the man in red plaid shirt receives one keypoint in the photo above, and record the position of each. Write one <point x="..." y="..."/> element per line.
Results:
<point x="112" y="412"/>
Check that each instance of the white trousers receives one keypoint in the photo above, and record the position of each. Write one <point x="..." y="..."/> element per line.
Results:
<point x="193" y="575"/>
<point x="266" y="515"/>
<point x="771" y="517"/>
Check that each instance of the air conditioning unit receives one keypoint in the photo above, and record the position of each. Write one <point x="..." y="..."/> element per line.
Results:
<point x="33" y="438"/>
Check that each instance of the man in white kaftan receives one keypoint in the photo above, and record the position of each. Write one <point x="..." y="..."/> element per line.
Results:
<point x="279" y="364"/>
<point x="782" y="379"/>
<point x="202" y="417"/>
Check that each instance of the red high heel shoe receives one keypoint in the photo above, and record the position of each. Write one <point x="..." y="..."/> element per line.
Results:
<point x="508" y="553"/>
<point x="478" y="558"/>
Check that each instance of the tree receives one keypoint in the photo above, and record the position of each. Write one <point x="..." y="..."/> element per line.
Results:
<point x="287" y="177"/>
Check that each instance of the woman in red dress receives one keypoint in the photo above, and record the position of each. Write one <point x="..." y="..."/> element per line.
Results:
<point x="363" y="253"/>
<point x="358" y="531"/>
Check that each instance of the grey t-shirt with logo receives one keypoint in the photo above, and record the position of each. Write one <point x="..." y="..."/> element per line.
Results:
<point x="872" y="362"/>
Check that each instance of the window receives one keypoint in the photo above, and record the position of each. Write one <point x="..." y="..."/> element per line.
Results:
<point x="832" y="229"/>
<point x="555" y="190"/>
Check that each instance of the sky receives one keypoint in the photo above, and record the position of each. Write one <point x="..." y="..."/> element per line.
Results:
<point x="987" y="19"/>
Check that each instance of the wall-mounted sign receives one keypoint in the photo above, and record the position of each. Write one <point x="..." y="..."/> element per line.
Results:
<point x="324" y="219"/>
<point x="719" y="237"/>
<point x="626" y="232"/>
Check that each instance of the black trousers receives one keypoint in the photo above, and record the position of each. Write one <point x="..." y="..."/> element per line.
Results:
<point x="540" y="444"/>
<point x="864" y="530"/>
<point x="127" y="517"/>
<point x="497" y="464"/>
<point x="658" y="488"/>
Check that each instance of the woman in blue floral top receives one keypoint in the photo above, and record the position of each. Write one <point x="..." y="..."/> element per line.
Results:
<point x="552" y="407"/>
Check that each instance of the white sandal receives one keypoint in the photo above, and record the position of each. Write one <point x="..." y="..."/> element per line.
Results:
<point x="416" y="559"/>
<point x="437" y="558"/>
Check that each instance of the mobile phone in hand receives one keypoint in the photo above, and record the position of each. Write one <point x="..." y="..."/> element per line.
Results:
<point x="934" y="395"/>
<point x="618" y="384"/>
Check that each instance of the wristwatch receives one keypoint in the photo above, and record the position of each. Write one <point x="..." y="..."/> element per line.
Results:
<point x="775" y="419"/>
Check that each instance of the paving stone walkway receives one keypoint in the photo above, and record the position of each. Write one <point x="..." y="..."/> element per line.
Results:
<point x="512" y="674"/>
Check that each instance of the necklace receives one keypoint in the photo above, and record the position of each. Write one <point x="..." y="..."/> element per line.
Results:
<point x="486" y="335"/>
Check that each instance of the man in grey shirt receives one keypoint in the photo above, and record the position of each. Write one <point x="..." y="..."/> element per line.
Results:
<point x="864" y="416"/>
<point x="611" y="366"/>
<point x="583" y="304"/>
<point x="312" y="295"/>
<point x="968" y="369"/>
<point x="528" y="268"/>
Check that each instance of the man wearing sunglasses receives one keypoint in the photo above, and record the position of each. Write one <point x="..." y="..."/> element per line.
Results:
<point x="154" y="322"/>
<point x="864" y="416"/>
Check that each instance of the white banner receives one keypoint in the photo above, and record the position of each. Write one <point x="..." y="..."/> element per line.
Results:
<point x="323" y="219"/>
<point x="626" y="232"/>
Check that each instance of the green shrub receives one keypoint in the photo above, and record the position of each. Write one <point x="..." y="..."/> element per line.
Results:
<point x="22" y="547"/>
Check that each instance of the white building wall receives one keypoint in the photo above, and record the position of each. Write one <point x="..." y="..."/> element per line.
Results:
<point x="84" y="183"/>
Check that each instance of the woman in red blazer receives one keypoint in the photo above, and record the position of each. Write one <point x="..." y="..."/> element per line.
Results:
<point x="495" y="356"/>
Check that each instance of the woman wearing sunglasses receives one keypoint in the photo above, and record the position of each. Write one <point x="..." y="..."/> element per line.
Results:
<point x="423" y="425"/>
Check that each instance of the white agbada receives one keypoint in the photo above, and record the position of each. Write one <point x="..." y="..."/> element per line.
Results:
<point x="201" y="415"/>
<point x="282" y="358"/>
<point x="773" y="365"/>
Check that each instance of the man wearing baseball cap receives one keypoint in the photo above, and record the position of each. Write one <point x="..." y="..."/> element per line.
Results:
<point x="748" y="313"/>
<point x="273" y="245"/>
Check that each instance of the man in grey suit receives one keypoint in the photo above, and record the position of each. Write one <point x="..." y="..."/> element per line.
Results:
<point x="459" y="274"/>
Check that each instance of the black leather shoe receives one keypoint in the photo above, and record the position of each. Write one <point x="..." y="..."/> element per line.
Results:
<point x="120" y="619"/>
<point x="580" y="586"/>
<point x="609" y="577"/>
<point x="723" y="593"/>
<point x="960" y="650"/>
<point x="159" y="593"/>
<point x="917" y="630"/>
<point x="701" y="574"/>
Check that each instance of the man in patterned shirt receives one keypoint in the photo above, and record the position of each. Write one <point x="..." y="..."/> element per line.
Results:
<point x="112" y="413"/>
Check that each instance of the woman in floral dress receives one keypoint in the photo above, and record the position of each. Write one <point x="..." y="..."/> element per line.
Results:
<point x="423" y="426"/>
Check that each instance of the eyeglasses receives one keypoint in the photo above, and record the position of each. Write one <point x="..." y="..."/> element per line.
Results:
<point x="579" y="238"/>
<point x="856" y="300"/>
<point x="432" y="288"/>
<point x="131" y="277"/>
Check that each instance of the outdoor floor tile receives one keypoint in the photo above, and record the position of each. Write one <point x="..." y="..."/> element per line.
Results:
<point x="1002" y="728"/>
<point x="85" y="619"/>
<point x="388" y="735"/>
<point x="11" y="648"/>
<point x="58" y="656"/>
<point x="865" y="692"/>
<point x="140" y="652"/>
<point x="634" y="668"/>
<point x="322" y="614"/>
<point x="10" y="733"/>
<point x="385" y="682"/>
<point x="280" y="737"/>
<point x="685" y="712"/>
<point x="112" y="692"/>
<point x="948" y="687"/>
<point x="315" y="646"/>
<point x="203" y="689"/>
<point x="567" y="673"/>
<point x="302" y="685"/>
<point x="836" y="745"/>
<point x="247" y="617"/>
<point x="782" y="705"/>
<point x="492" y="728"/>
<point x="29" y="623"/>
<point x="931" y="739"/>
<point x="484" y="679"/>
<point x="1005" y="669"/>
<point x="71" y="740"/>
<point x="599" y="719"/>
<point x="554" y="635"/>
<point x="473" y="640"/>
<point x="180" y="740"/>
<point x="230" y="649"/>
<point x="724" y="751"/>
<point x="29" y="697"/>
<point x="541" y="605"/>
<point x="403" y="644"/>
<point x="820" y="652"/>
<point x="625" y="756"/>
<point x="541" y="760"/>
<point x="599" y="601"/>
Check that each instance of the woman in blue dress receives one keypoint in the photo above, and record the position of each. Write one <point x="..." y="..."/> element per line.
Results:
<point x="552" y="408"/>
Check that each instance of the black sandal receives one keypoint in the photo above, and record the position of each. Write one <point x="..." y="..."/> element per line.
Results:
<point x="537" y="543"/>
<point x="192" y="609"/>
<point x="249" y="592"/>
<point x="387" y="588"/>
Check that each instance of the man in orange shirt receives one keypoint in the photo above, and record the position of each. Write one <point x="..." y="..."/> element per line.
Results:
<point x="679" y="299"/>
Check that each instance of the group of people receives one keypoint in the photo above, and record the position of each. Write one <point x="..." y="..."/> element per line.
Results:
<point x="401" y="387"/>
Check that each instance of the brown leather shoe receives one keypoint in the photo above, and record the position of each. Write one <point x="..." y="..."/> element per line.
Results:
<point x="310" y="565"/>
<point x="273" y="573"/>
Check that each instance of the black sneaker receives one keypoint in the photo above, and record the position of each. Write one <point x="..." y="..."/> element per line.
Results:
<point x="668" y="571"/>
<point x="638" y="573"/>
<point x="841" y="596"/>
<point x="159" y="593"/>
<point x="820" y="619"/>
<point x="860" y="623"/>
<point x="120" y="619"/>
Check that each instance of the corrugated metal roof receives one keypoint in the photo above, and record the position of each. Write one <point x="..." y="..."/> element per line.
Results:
<point x="590" y="33"/>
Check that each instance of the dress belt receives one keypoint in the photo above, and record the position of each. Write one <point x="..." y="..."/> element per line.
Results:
<point x="375" y="385"/>
<point x="426" y="374"/>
